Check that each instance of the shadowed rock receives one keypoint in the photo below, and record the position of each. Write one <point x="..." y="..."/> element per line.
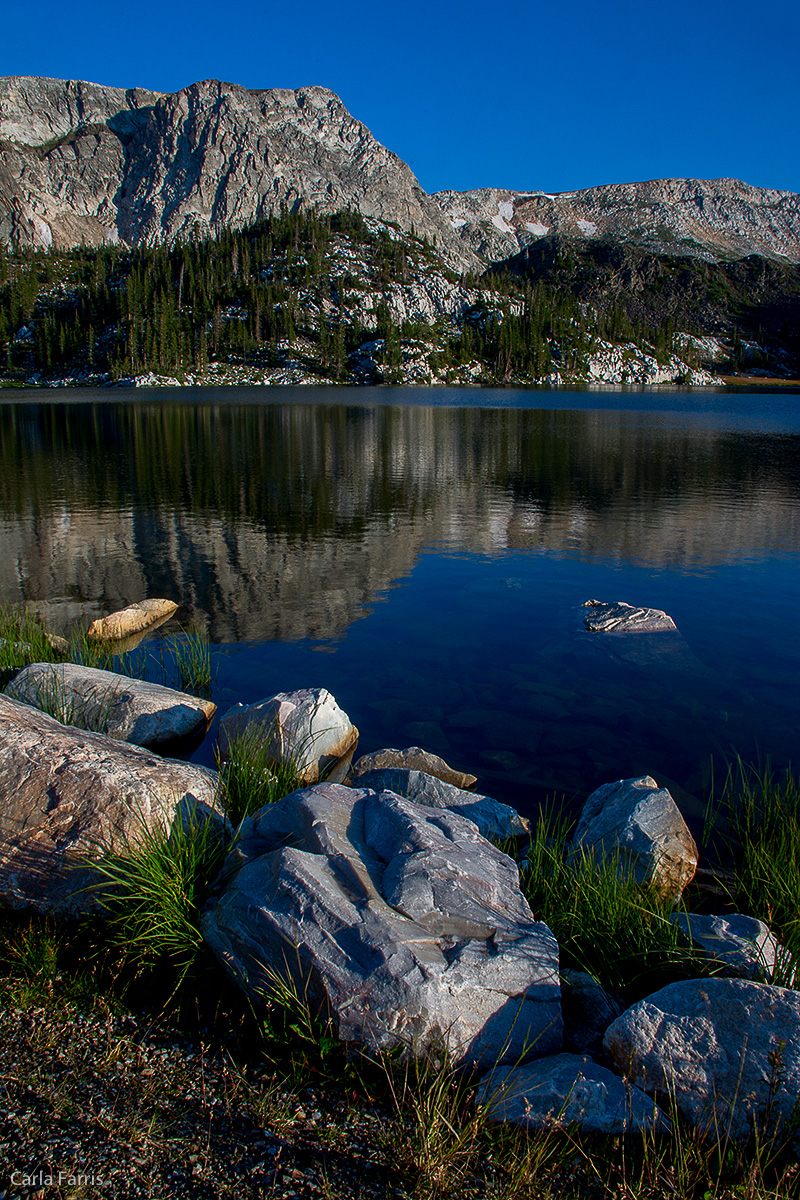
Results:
<point x="68" y="796"/>
<point x="743" y="945"/>
<point x="400" y="920"/>
<point x="728" y="1050"/>
<point x="130" y="710"/>
<point x="568" y="1089"/>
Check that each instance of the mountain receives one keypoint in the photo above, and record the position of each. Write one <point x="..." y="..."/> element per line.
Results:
<point x="84" y="164"/>
<point x="713" y="219"/>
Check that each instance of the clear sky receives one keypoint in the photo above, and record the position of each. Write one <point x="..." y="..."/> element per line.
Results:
<point x="543" y="94"/>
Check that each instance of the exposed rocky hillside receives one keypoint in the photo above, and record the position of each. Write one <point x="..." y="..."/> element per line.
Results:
<point x="711" y="219"/>
<point x="83" y="164"/>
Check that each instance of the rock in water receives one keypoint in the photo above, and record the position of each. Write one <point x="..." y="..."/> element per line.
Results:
<point x="493" y="819"/>
<point x="625" y="618"/>
<point x="639" y="823"/>
<point x="305" y="728"/>
<point x="414" y="758"/>
<point x="728" y="1050"/>
<point x="568" y="1089"/>
<point x="400" y="920"/>
<point x="132" y="619"/>
<point x="130" y="710"/>
<point x="67" y="796"/>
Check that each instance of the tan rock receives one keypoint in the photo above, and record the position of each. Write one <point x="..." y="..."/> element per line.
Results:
<point x="132" y="619"/>
<point x="414" y="758"/>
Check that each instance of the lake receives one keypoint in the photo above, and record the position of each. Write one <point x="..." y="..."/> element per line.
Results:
<point x="425" y="555"/>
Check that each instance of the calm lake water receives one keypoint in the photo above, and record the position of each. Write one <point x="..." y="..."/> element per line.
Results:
<point x="425" y="556"/>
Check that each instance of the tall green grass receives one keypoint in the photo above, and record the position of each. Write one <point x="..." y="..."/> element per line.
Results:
<point x="249" y="776"/>
<point x="191" y="656"/>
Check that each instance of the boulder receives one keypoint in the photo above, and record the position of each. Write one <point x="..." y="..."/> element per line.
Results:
<point x="639" y="822"/>
<point x="568" y="1089"/>
<point x="130" y="710"/>
<point x="728" y="1050"/>
<point x="414" y="758"/>
<point x="588" y="1010"/>
<point x="494" y="820"/>
<point x="132" y="619"/>
<point x="305" y="727"/>
<point x="742" y="945"/>
<point x="621" y="617"/>
<point x="68" y="796"/>
<point x="399" y="920"/>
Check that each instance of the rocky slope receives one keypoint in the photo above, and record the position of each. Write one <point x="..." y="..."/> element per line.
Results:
<point x="81" y="163"/>
<point x="711" y="219"/>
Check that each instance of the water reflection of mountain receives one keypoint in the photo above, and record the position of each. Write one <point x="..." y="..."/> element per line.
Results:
<point x="284" y="521"/>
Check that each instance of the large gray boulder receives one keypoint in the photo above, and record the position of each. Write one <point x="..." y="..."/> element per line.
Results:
<point x="728" y="1050"/>
<point x="743" y="946"/>
<point x="68" y="796"/>
<point x="564" y="1090"/>
<point x="400" y="920"/>
<point x="133" y="619"/>
<point x="306" y="728"/>
<point x="130" y="710"/>
<point x="413" y="758"/>
<point x="494" y="820"/>
<point x="637" y="822"/>
<point x="621" y="617"/>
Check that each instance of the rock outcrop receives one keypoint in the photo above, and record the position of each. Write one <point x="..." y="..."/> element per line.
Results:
<point x="67" y="797"/>
<point x="128" y="710"/>
<point x="401" y="921"/>
<point x="83" y="163"/>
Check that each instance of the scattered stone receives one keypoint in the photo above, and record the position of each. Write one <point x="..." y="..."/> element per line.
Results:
<point x="640" y="823"/>
<point x="625" y="618"/>
<point x="588" y="1011"/>
<point x="568" y="1089"/>
<point x="413" y="759"/>
<point x="743" y="945"/>
<point x="401" y="921"/>
<point x="68" y="796"/>
<point x="306" y="727"/>
<point x="728" y="1050"/>
<point x="130" y="620"/>
<point x="494" y="820"/>
<point x="130" y="710"/>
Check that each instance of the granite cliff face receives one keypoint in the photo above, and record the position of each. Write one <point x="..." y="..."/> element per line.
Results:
<point x="711" y="219"/>
<point x="83" y="163"/>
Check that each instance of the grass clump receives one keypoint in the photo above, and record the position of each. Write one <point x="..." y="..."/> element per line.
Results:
<point x="249" y="775"/>
<point x="152" y="894"/>
<point x="191" y="655"/>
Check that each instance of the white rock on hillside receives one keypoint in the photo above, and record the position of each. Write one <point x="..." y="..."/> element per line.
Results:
<point x="400" y="920"/>
<point x="130" y="710"/>
<point x="637" y="822"/>
<point x="67" y="796"/>
<point x="306" y="728"/>
<point x="728" y="1050"/>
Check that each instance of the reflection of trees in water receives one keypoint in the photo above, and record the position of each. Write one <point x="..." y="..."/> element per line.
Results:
<point x="282" y="520"/>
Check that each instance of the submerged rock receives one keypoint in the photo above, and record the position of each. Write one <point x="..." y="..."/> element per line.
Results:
<point x="400" y="920"/>
<point x="727" y="1050"/>
<point x="132" y="619"/>
<point x="621" y="617"/>
<point x="494" y="820"/>
<point x="130" y="710"/>
<point x="68" y="796"/>
<point x="637" y="822"/>
<point x="568" y="1089"/>
<point x="306" y="728"/>
<point x="414" y="758"/>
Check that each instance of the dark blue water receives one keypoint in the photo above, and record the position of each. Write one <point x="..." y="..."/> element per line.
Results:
<point x="425" y="555"/>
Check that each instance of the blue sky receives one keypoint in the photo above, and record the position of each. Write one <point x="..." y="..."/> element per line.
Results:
<point x="550" y="96"/>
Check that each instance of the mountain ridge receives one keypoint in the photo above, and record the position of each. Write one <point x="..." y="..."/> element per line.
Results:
<point x="82" y="163"/>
